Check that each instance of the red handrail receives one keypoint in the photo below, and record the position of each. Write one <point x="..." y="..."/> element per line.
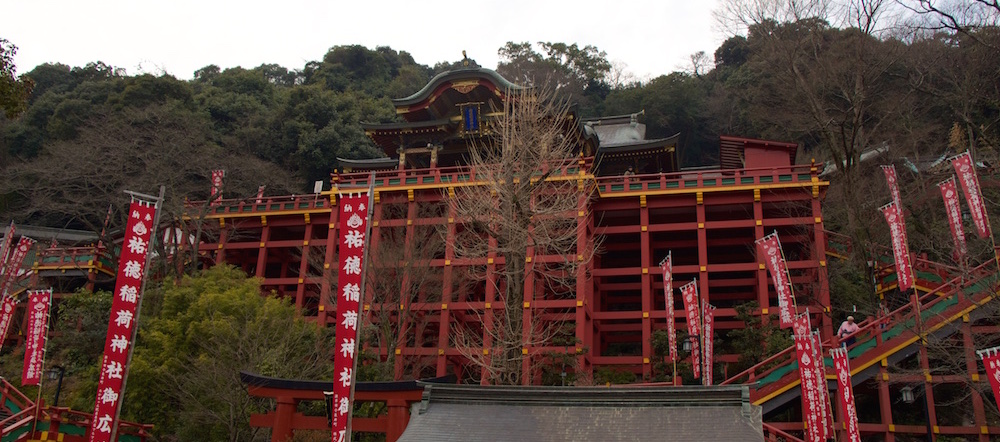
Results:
<point x="772" y="433"/>
<point x="871" y="328"/>
<point x="451" y="172"/>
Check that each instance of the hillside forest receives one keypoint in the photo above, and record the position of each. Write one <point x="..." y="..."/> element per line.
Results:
<point x="868" y="82"/>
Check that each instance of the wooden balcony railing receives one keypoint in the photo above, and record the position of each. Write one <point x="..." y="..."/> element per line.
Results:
<point x="441" y="176"/>
<point x="705" y="179"/>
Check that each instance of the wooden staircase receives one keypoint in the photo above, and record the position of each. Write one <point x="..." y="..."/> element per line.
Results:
<point x="936" y="312"/>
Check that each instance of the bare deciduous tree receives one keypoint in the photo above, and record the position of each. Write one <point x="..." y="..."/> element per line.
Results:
<point x="523" y="212"/>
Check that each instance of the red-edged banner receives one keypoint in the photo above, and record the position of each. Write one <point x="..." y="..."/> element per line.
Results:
<point x="900" y="249"/>
<point x="689" y="292"/>
<point x="668" y="294"/>
<point x="8" y="240"/>
<point x="708" y="347"/>
<point x="991" y="360"/>
<point x="811" y="413"/>
<point x="821" y="386"/>
<point x="769" y="250"/>
<point x="39" y="302"/>
<point x="216" y="196"/>
<point x="890" y="179"/>
<point x="260" y="194"/>
<point x="6" y="316"/>
<point x="353" y="228"/>
<point x="970" y="186"/>
<point x="949" y="193"/>
<point x="121" y="325"/>
<point x="13" y="268"/>
<point x="845" y="391"/>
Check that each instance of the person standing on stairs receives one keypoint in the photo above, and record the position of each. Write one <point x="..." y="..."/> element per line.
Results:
<point x="847" y="330"/>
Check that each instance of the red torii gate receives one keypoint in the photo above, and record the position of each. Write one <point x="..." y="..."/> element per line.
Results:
<point x="288" y="393"/>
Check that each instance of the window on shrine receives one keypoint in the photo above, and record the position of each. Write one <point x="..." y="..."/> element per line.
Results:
<point x="470" y="117"/>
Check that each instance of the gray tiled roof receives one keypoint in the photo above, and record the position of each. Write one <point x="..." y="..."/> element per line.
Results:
<point x="563" y="414"/>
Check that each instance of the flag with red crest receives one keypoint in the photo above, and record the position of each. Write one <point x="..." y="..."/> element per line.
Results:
<point x="353" y="224"/>
<point x="769" y="250"/>
<point x="125" y="302"/>
<point x="668" y="294"/>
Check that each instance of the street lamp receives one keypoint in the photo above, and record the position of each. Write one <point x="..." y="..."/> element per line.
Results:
<point x="906" y="394"/>
<point x="54" y="373"/>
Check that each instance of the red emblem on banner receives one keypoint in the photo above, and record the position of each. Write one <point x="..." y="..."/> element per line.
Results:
<point x="37" y="314"/>
<point x="845" y="393"/>
<point x="121" y="326"/>
<point x="353" y="225"/>
<point x="668" y="294"/>
<point x="949" y="193"/>
<point x="689" y="292"/>
<point x="970" y="186"/>
<point x="769" y="250"/>
<point x="900" y="249"/>
<point x="801" y="325"/>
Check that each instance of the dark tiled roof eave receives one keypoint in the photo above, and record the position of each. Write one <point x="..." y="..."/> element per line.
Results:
<point x="458" y="74"/>
<point x="564" y="414"/>
<point x="405" y="126"/>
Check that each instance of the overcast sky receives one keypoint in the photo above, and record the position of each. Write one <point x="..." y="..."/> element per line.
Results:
<point x="651" y="38"/>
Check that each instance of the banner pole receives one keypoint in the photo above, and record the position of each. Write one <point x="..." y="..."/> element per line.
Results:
<point x="157" y="204"/>
<point x="364" y="266"/>
<point x="41" y="377"/>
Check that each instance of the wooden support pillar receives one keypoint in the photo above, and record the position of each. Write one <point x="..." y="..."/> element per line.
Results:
<point x="763" y="293"/>
<point x="491" y="304"/>
<point x="220" y="253"/>
<point x="928" y="390"/>
<point x="527" y="320"/>
<point x="300" y="287"/>
<point x="327" y="314"/>
<point x="283" y="415"/>
<point x="265" y="235"/>
<point x="972" y="368"/>
<point x="702" y="249"/>
<point x="447" y="286"/>
<point x="885" y="401"/>
<point x="584" y="330"/>
<point x="645" y="256"/>
<point x="399" y="416"/>
<point x="819" y="247"/>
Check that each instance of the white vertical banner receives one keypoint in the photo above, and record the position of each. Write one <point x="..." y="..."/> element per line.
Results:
<point x="845" y="392"/>
<point x="689" y="292"/>
<point x="709" y="348"/>
<point x="668" y="294"/>
<point x="969" y="180"/>
<point x="769" y="250"/>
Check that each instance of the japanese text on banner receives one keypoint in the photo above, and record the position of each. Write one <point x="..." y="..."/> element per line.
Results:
<point x="900" y="249"/>
<point x="668" y="295"/>
<point x="121" y="326"/>
<point x="353" y="224"/>
<point x="845" y="393"/>
<point x="769" y="249"/>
